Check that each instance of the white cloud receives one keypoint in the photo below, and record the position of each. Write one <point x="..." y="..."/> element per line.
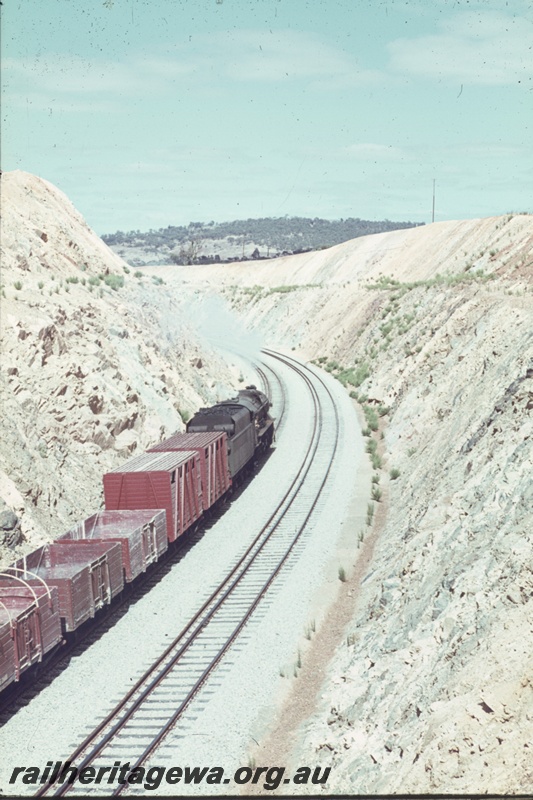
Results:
<point x="58" y="74"/>
<point x="275" y="56"/>
<point x="483" y="47"/>
<point x="368" y="151"/>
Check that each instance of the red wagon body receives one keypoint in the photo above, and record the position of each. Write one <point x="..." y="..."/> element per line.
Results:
<point x="213" y="452"/>
<point x="142" y="535"/>
<point x="86" y="578"/>
<point x="30" y="624"/>
<point x="170" y="481"/>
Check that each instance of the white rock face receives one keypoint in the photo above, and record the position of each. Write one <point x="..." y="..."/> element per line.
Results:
<point x="434" y="691"/>
<point x="89" y="374"/>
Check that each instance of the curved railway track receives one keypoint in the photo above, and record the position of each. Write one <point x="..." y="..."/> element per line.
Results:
<point x="139" y="723"/>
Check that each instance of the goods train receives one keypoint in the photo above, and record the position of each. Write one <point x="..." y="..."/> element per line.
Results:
<point x="150" y="501"/>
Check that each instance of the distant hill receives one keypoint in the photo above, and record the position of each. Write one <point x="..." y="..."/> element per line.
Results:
<point x="266" y="237"/>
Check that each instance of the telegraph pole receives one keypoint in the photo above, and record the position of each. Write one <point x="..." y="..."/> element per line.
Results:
<point x="433" y="209"/>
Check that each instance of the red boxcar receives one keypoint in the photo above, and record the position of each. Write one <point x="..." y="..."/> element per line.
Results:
<point x="87" y="578"/>
<point x="213" y="452"/>
<point x="141" y="534"/>
<point x="30" y="624"/>
<point x="170" y="481"/>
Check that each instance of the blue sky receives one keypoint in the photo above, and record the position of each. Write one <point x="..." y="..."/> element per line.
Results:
<point x="149" y="113"/>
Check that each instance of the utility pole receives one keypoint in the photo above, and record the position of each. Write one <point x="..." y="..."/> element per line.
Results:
<point x="433" y="209"/>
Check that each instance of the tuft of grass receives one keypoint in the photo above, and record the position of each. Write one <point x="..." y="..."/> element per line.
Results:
<point x="376" y="461"/>
<point x="42" y="450"/>
<point x="41" y="284"/>
<point x="114" y="282"/>
<point x="394" y="473"/>
<point x="369" y="513"/>
<point x="375" y="478"/>
<point x="137" y="274"/>
<point x="342" y="574"/>
<point x="18" y="285"/>
<point x="157" y="280"/>
<point x="376" y="493"/>
<point x="72" y="279"/>
<point x="310" y="629"/>
<point x="371" y="417"/>
<point x="184" y="414"/>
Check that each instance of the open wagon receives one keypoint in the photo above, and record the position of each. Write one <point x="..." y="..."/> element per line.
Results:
<point x="142" y="535"/>
<point x="30" y="624"/>
<point x="86" y="578"/>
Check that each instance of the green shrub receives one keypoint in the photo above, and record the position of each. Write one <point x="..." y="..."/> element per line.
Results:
<point x="371" y="418"/>
<point x="394" y="473"/>
<point x="137" y="274"/>
<point x="114" y="282"/>
<point x="40" y="284"/>
<point x="94" y="280"/>
<point x="376" y="493"/>
<point x="18" y="285"/>
<point x="342" y="574"/>
<point x="157" y="280"/>
<point x="71" y="279"/>
<point x="376" y="461"/>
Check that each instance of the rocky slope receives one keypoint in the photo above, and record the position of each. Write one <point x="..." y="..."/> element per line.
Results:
<point x="431" y="330"/>
<point x="93" y="368"/>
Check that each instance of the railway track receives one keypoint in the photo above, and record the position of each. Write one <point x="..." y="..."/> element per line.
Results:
<point x="139" y="723"/>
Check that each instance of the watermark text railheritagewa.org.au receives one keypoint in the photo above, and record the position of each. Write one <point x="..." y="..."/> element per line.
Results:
<point x="150" y="778"/>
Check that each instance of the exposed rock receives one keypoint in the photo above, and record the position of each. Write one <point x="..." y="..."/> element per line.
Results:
<point x="8" y="520"/>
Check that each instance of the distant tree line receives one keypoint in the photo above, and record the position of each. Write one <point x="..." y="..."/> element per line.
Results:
<point x="193" y="243"/>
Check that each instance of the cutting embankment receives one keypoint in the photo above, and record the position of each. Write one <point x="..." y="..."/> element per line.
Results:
<point x="97" y="363"/>
<point x="430" y="329"/>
